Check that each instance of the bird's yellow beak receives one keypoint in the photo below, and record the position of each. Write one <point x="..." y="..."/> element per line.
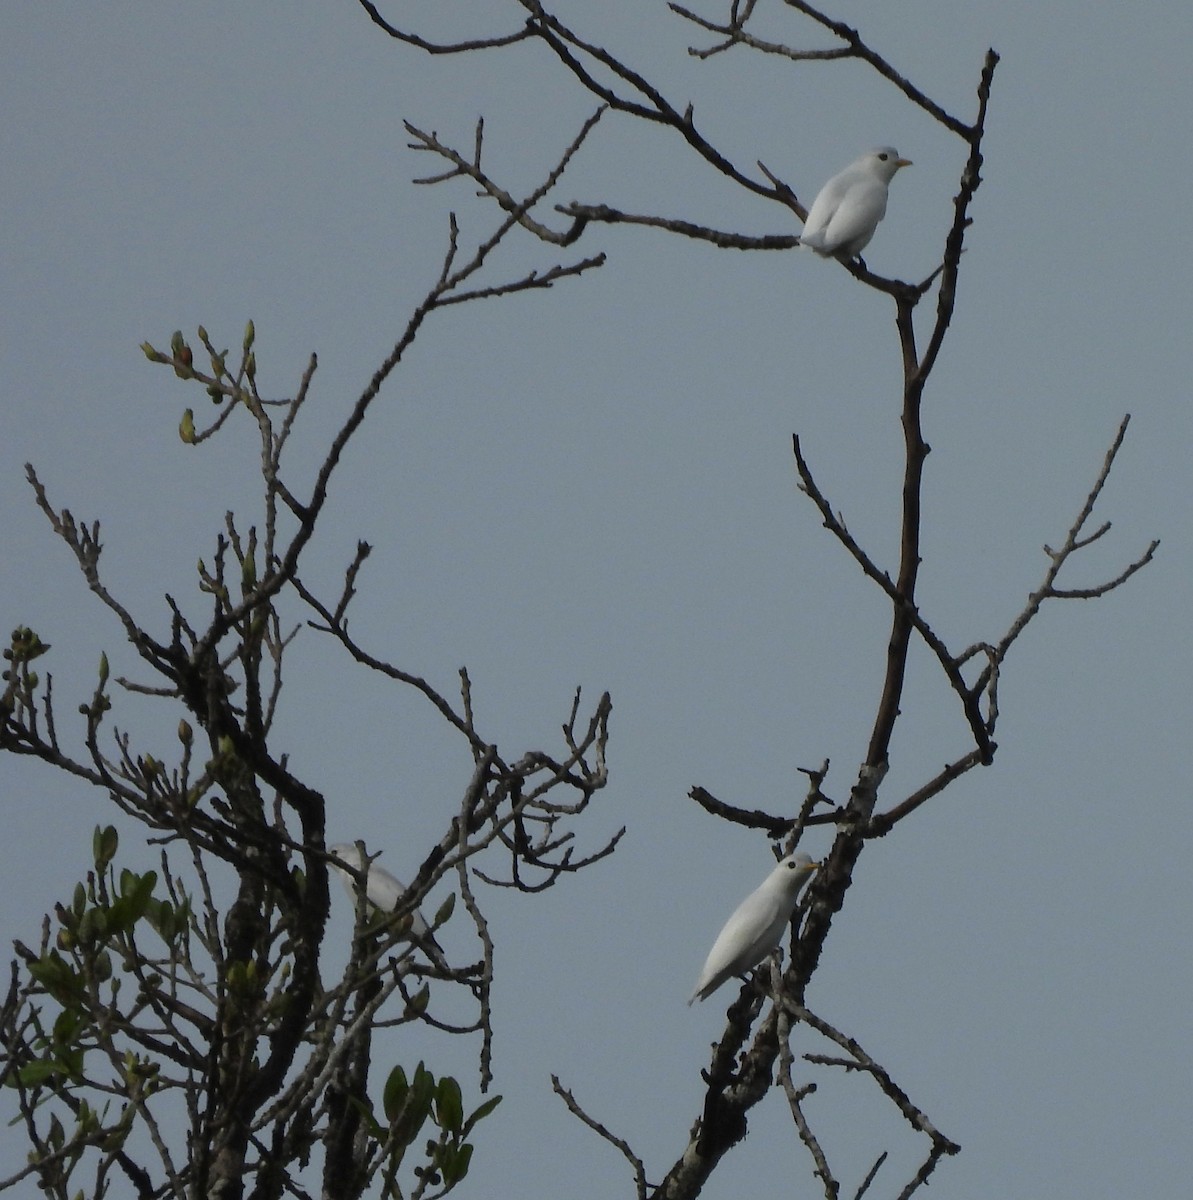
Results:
<point x="904" y="162"/>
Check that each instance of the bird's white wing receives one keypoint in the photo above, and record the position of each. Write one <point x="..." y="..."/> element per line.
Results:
<point x="386" y="893"/>
<point x="749" y="935"/>
<point x="382" y="890"/>
<point x="855" y="219"/>
<point x="823" y="207"/>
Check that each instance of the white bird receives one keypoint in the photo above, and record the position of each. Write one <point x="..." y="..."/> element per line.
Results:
<point x="847" y="209"/>
<point x="756" y="925"/>
<point x="384" y="893"/>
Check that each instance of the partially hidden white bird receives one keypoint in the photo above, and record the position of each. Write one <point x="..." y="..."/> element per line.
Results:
<point x="384" y="893"/>
<point x="756" y="925"/>
<point x="847" y="209"/>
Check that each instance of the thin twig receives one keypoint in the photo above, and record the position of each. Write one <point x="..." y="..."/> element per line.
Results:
<point x="860" y="1060"/>
<point x="640" y="1184"/>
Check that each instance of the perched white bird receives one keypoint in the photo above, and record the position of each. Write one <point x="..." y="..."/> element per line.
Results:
<point x="847" y="209"/>
<point x="384" y="893"/>
<point x="756" y="925"/>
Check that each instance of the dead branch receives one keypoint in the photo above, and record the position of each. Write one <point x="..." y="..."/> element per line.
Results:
<point x="640" y="1184"/>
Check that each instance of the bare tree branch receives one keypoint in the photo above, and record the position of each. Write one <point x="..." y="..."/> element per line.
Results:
<point x="726" y="240"/>
<point x="860" y="1060"/>
<point x="640" y="1184"/>
<point x="413" y="39"/>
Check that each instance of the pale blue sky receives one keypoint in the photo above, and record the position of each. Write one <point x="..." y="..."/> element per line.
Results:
<point x="594" y="485"/>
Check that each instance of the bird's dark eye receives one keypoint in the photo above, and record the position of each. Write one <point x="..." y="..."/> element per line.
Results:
<point x="884" y="157"/>
<point x="791" y="866"/>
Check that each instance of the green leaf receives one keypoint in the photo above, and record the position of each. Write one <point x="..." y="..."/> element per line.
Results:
<point x="394" y="1095"/>
<point x="449" y="1105"/>
<point x="94" y="925"/>
<point x="103" y="846"/>
<point x="417" y="1107"/>
<point x="66" y="1026"/>
<point x="423" y="1082"/>
<point x="244" y="978"/>
<point x="35" y="1073"/>
<point x="453" y="1162"/>
<point x="142" y="894"/>
<point x="186" y="427"/>
<point x="445" y="910"/>
<point x="480" y="1114"/>
<point x="58" y="977"/>
<point x="161" y="918"/>
<point x="71" y="1062"/>
<point x="115" y="1138"/>
<point x="118" y="917"/>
